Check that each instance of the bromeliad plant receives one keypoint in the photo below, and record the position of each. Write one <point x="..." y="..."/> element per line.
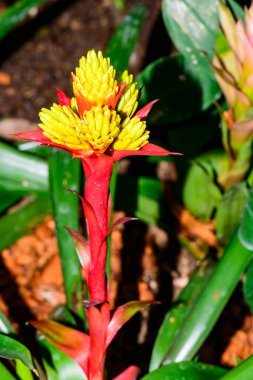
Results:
<point x="99" y="125"/>
<point x="233" y="64"/>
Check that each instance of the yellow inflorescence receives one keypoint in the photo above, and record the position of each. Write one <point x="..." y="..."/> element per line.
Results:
<point x="132" y="136"/>
<point x="99" y="127"/>
<point x="128" y="103"/>
<point x="95" y="78"/>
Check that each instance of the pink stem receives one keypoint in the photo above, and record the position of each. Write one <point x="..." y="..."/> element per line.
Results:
<point x="98" y="171"/>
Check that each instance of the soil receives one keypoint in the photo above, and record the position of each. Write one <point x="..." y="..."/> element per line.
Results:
<point x="35" y="59"/>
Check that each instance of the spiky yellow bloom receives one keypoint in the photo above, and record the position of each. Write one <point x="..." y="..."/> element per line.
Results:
<point x="128" y="103"/>
<point x="95" y="78"/>
<point x="132" y="136"/>
<point x="100" y="115"/>
<point x="96" y="130"/>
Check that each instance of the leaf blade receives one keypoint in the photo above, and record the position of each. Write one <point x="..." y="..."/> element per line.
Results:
<point x="12" y="349"/>
<point x="124" y="39"/>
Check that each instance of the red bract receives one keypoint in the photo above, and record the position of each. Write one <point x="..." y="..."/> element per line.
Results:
<point x="72" y="342"/>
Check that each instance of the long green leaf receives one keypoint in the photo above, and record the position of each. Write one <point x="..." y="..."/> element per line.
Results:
<point x="4" y="373"/>
<point x="186" y="370"/>
<point x="211" y="302"/>
<point x="242" y="372"/>
<point x="248" y="286"/>
<point x="23" y="371"/>
<point x="230" y="210"/>
<point x="57" y="364"/>
<point x="64" y="174"/>
<point x="183" y="89"/>
<point x="237" y="9"/>
<point x="22" y="220"/>
<point x="16" y="14"/>
<point x="192" y="25"/>
<point x="246" y="227"/>
<point x="21" y="172"/>
<point x="201" y="195"/>
<point x="12" y="349"/>
<point x="178" y="313"/>
<point x="124" y="39"/>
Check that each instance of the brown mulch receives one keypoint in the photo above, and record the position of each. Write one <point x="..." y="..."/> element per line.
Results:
<point x="32" y="267"/>
<point x="40" y="57"/>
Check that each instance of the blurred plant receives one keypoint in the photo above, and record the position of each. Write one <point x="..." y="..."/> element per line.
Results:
<point x="233" y="63"/>
<point x="15" y="14"/>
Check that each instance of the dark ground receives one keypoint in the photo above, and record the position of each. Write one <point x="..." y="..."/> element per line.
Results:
<point x="39" y="57"/>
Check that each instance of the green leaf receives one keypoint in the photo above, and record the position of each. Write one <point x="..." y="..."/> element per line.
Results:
<point x="248" y="286"/>
<point x="183" y="89"/>
<point x="5" y="326"/>
<point x="23" y="371"/>
<point x="246" y="228"/>
<point x="143" y="200"/>
<point x="13" y="350"/>
<point x="7" y="200"/>
<point x="64" y="174"/>
<point x="178" y="313"/>
<point x="16" y="14"/>
<point x="201" y="195"/>
<point x="21" y="172"/>
<point x="34" y="147"/>
<point x="209" y="305"/>
<point x="121" y="315"/>
<point x="22" y="220"/>
<point x="186" y="370"/>
<point x="230" y="211"/>
<point x="57" y="364"/>
<point x="5" y="374"/>
<point x="200" y="131"/>
<point x="237" y="9"/>
<point x="192" y="25"/>
<point x="123" y="41"/>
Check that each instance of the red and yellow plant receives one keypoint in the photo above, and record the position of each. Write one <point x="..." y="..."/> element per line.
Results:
<point x="99" y="125"/>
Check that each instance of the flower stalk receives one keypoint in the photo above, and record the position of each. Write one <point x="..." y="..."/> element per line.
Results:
<point x="99" y="126"/>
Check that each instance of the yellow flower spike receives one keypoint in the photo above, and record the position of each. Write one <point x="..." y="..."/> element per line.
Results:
<point x="102" y="126"/>
<point x="97" y="130"/>
<point x="128" y="103"/>
<point x="133" y="135"/>
<point x="95" y="79"/>
<point x="139" y="143"/>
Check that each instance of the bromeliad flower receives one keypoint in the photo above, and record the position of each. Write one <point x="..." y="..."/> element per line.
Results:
<point x="99" y="118"/>
<point x="233" y="66"/>
<point x="99" y="126"/>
